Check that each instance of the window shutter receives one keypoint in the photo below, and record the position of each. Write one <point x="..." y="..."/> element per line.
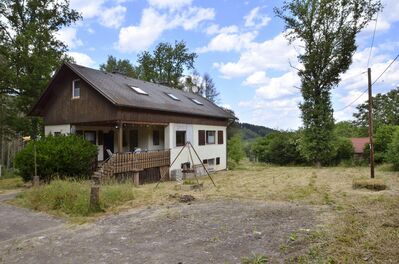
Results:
<point x="220" y="137"/>
<point x="201" y="137"/>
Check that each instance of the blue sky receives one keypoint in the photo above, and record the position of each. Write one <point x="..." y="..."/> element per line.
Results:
<point x="240" y="44"/>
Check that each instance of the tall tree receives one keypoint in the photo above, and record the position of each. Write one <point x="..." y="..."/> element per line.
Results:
<point x="120" y="66"/>
<point x="167" y="64"/>
<point x="209" y="89"/>
<point x="30" y="52"/>
<point x="327" y="29"/>
<point x="385" y="110"/>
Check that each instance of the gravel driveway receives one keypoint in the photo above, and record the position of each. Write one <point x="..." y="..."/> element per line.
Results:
<point x="222" y="231"/>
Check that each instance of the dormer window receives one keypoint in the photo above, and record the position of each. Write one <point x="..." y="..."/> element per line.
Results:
<point x="138" y="90"/>
<point x="196" y="101"/>
<point x="75" y="89"/>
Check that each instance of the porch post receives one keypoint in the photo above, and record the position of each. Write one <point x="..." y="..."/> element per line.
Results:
<point x="120" y="137"/>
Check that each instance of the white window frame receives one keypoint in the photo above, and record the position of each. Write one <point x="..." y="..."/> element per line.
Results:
<point x="73" y="89"/>
<point x="206" y="137"/>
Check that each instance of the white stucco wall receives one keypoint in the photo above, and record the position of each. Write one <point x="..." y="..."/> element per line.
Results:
<point x="63" y="129"/>
<point x="211" y="151"/>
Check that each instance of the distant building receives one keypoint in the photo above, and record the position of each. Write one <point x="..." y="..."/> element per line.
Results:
<point x="359" y="145"/>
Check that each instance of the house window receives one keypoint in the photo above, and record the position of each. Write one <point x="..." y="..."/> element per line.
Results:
<point x="211" y="162"/>
<point x="210" y="137"/>
<point x="90" y="136"/>
<point x="217" y="161"/>
<point x="76" y="89"/>
<point x="180" y="138"/>
<point x="155" y="137"/>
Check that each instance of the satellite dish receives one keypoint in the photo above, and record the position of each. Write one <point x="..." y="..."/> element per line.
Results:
<point x="194" y="89"/>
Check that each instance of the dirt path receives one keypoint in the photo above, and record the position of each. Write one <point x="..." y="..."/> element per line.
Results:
<point x="18" y="222"/>
<point x="203" y="232"/>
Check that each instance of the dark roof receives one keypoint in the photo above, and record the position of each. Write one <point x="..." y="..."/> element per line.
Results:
<point x="116" y="88"/>
<point x="359" y="144"/>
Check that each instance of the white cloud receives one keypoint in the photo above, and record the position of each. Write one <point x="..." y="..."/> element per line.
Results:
<point x="256" y="19"/>
<point x="113" y="17"/>
<point x="153" y="23"/>
<point x="190" y="18"/>
<point x="286" y="84"/>
<point x="82" y="59"/>
<point x="136" y="38"/>
<point x="388" y="16"/>
<point x="68" y="37"/>
<point x="171" y="4"/>
<point x="108" y="16"/>
<point x="88" y="8"/>
<point x="215" y="29"/>
<point x="228" y="42"/>
<point x="273" y="54"/>
<point x="257" y="78"/>
<point x="279" y="114"/>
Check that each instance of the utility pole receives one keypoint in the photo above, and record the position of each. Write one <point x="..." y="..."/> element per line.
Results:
<point x="371" y="123"/>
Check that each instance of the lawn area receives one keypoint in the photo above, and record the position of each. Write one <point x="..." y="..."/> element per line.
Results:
<point x="9" y="181"/>
<point x="361" y="225"/>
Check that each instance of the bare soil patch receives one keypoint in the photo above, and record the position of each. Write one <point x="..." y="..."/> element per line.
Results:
<point x="223" y="231"/>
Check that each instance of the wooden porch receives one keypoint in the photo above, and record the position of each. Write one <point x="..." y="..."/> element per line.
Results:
<point x="139" y="167"/>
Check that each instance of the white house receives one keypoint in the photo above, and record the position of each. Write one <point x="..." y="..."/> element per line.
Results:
<point x="144" y="125"/>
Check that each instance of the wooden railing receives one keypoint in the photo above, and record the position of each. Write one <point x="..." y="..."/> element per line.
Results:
<point x="134" y="162"/>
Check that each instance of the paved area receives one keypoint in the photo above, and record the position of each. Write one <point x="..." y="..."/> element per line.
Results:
<point x="202" y="232"/>
<point x="17" y="222"/>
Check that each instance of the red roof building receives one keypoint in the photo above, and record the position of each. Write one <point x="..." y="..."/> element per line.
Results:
<point x="359" y="144"/>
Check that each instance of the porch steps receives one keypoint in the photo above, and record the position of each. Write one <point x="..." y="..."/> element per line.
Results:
<point x="121" y="163"/>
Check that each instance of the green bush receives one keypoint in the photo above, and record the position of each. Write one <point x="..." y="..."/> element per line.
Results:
<point x="393" y="150"/>
<point x="343" y="149"/>
<point x="235" y="148"/>
<point x="57" y="156"/>
<point x="382" y="139"/>
<point x="279" y="148"/>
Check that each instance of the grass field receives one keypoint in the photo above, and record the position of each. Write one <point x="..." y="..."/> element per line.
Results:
<point x="9" y="181"/>
<point x="361" y="225"/>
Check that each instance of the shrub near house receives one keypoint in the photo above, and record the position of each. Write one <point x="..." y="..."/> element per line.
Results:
<point x="57" y="156"/>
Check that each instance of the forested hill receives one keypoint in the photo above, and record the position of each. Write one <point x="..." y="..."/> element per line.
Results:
<point x="250" y="131"/>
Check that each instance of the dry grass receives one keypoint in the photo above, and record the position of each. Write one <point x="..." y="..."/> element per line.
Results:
<point x="361" y="225"/>
<point x="10" y="184"/>
<point x="371" y="184"/>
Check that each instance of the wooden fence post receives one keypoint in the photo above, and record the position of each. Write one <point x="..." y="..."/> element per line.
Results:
<point x="95" y="193"/>
<point x="136" y="178"/>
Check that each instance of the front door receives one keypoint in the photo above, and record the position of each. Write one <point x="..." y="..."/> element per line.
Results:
<point x="108" y="143"/>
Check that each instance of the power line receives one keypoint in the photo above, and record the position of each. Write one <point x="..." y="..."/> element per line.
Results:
<point x="357" y="98"/>
<point x="372" y="41"/>
<point x="397" y="56"/>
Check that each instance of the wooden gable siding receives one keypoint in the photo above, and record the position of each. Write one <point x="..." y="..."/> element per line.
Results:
<point x="93" y="108"/>
<point x="152" y="116"/>
<point x="62" y="109"/>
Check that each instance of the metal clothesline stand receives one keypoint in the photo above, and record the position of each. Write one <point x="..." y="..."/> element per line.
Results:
<point x="188" y="145"/>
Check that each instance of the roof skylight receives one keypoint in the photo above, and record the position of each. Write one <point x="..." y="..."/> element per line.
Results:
<point x="196" y="101"/>
<point x="173" y="96"/>
<point x="138" y="90"/>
